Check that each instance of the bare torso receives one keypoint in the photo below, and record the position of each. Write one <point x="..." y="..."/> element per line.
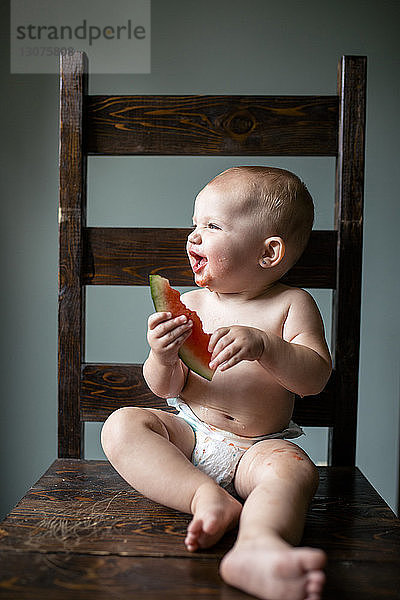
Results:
<point x="245" y="399"/>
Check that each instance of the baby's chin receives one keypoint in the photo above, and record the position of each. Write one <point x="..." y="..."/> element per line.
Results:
<point x="204" y="280"/>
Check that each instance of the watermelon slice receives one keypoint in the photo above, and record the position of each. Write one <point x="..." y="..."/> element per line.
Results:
<point x="194" y="352"/>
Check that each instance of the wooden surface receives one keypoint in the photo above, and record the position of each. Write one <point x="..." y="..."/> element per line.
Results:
<point x="346" y="306"/>
<point x="212" y="125"/>
<point x="82" y="532"/>
<point x="71" y="221"/>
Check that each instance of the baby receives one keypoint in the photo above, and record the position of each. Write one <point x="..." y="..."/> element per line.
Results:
<point x="250" y="226"/>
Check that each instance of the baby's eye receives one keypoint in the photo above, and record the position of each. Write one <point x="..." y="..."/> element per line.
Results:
<point x="212" y="226"/>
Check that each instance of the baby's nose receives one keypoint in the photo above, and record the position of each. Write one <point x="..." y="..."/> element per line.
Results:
<point x="194" y="237"/>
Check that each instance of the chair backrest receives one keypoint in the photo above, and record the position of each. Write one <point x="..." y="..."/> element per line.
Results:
<point x="204" y="125"/>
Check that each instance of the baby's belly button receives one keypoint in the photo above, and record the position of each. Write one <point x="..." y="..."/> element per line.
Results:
<point x="228" y="422"/>
<point x="251" y="428"/>
<point x="229" y="417"/>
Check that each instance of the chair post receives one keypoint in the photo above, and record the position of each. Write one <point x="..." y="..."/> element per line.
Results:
<point x="72" y="220"/>
<point x="348" y="223"/>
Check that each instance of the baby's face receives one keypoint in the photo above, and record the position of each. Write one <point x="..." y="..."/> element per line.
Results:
<point x="224" y="248"/>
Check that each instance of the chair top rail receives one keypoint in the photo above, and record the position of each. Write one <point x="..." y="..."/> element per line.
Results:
<point x="212" y="125"/>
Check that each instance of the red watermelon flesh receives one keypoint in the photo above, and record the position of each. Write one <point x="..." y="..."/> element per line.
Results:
<point x="194" y="351"/>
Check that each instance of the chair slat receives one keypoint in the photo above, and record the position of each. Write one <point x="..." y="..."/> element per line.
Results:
<point x="106" y="387"/>
<point x="210" y="125"/>
<point x="126" y="256"/>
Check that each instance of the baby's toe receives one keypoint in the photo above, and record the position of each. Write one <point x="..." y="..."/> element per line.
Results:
<point x="195" y="526"/>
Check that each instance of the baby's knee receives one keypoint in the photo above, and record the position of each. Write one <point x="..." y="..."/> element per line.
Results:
<point x="294" y="463"/>
<point x="288" y="461"/>
<point x="113" y="430"/>
<point x="309" y="471"/>
<point x="123" y="427"/>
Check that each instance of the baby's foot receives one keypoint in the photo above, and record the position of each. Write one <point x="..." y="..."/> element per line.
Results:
<point x="275" y="572"/>
<point x="214" y="512"/>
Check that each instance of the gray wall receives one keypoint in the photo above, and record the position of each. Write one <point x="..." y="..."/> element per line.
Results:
<point x="221" y="46"/>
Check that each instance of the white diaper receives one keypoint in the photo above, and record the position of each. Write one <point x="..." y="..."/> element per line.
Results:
<point x="218" y="452"/>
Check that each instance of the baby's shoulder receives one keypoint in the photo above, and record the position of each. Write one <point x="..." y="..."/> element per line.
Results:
<point x="294" y="301"/>
<point x="302" y="313"/>
<point x="289" y="295"/>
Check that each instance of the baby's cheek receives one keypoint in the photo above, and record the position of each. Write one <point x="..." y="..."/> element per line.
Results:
<point x="223" y="263"/>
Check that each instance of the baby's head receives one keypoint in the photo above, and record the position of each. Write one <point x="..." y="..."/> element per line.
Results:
<point x="277" y="201"/>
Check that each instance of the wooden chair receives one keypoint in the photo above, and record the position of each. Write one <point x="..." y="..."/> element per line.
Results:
<point x="81" y="531"/>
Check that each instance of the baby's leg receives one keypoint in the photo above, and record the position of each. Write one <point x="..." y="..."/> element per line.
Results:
<point x="278" y="481"/>
<point x="151" y="450"/>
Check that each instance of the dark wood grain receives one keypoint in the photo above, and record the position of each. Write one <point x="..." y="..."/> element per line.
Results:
<point x="211" y="125"/>
<point x="96" y="511"/>
<point x="87" y="577"/>
<point x="112" y="538"/>
<point x="349" y="223"/>
<point x="347" y="517"/>
<point x="82" y="577"/>
<point x="127" y="256"/>
<point x="72" y="219"/>
<point x="106" y="387"/>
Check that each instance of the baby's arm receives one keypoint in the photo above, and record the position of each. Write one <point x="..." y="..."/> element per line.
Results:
<point x="299" y="360"/>
<point x="164" y="372"/>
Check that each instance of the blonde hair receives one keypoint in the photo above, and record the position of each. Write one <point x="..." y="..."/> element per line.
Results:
<point x="278" y="200"/>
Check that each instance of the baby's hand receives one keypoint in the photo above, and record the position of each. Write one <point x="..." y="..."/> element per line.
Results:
<point x="166" y="335"/>
<point x="230" y="345"/>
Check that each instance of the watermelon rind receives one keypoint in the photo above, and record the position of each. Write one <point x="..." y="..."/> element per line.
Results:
<point x="159" y="286"/>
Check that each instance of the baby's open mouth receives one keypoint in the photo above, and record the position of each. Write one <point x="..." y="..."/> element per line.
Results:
<point x="197" y="261"/>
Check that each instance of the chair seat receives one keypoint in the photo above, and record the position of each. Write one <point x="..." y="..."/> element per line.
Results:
<point x="82" y="532"/>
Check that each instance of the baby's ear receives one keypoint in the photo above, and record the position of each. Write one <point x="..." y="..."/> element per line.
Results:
<point x="273" y="252"/>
